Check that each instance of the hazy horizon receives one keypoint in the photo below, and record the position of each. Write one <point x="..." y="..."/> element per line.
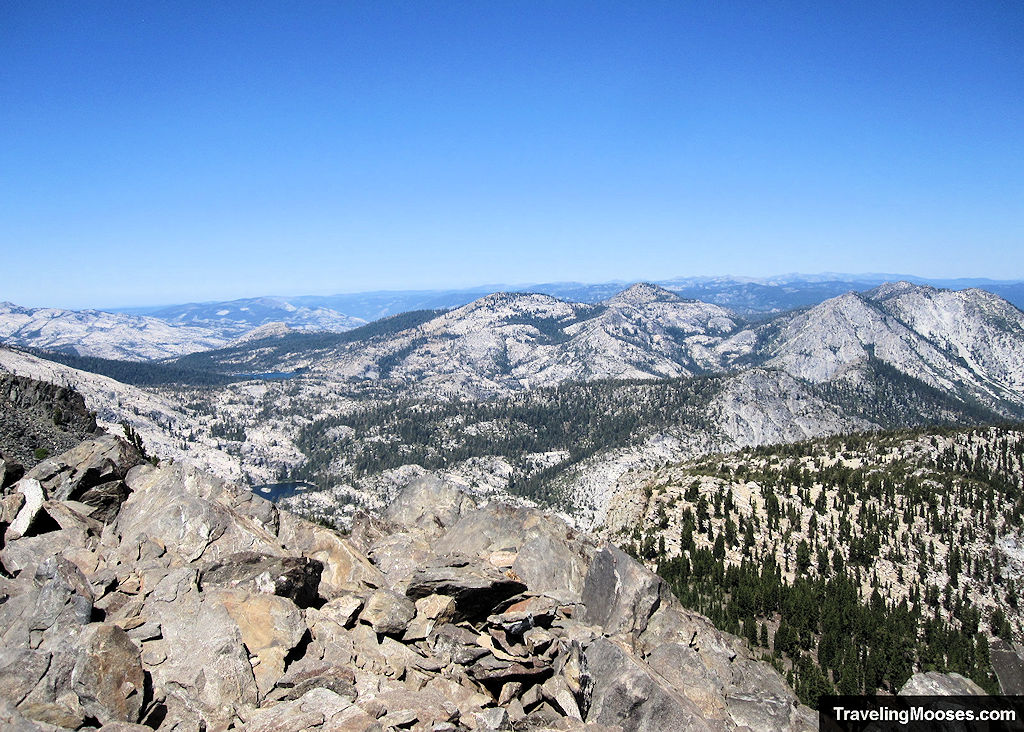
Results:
<point x="866" y="278"/>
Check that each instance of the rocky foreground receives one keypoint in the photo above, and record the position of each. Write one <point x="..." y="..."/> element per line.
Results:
<point x="143" y="597"/>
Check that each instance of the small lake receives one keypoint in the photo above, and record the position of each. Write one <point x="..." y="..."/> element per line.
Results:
<point x="277" y="491"/>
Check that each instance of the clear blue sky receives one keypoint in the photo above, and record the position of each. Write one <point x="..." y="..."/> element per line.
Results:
<point x="157" y="152"/>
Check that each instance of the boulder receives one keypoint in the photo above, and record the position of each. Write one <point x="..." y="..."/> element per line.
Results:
<point x="12" y="720"/>
<point x="105" y="499"/>
<point x="294" y="684"/>
<point x="388" y="612"/>
<point x="455" y="644"/>
<point x="620" y="594"/>
<point x="428" y="506"/>
<point x="214" y="678"/>
<point x="494" y="718"/>
<point x="626" y="693"/>
<point x="398" y="555"/>
<point x="430" y="611"/>
<point x="72" y="516"/>
<point x="552" y="566"/>
<point x="318" y="708"/>
<point x="33" y="498"/>
<point x="108" y="676"/>
<point x="296" y="578"/>
<point x="422" y="709"/>
<point x="933" y="683"/>
<point x="91" y="463"/>
<point x="269" y="626"/>
<point x="28" y="552"/>
<point x="341" y="610"/>
<point x="343" y="565"/>
<point x="10" y="505"/>
<point x="492" y="528"/>
<point x="476" y="587"/>
<point x="180" y="508"/>
<point x="20" y="671"/>
<point x="258" y="509"/>
<point x="48" y="609"/>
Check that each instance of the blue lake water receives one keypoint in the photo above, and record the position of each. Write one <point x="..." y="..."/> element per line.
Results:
<point x="277" y="491"/>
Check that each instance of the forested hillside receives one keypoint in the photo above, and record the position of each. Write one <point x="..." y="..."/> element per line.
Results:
<point x="851" y="561"/>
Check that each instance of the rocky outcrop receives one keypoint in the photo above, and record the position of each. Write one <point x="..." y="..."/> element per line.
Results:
<point x="186" y="603"/>
<point x="37" y="416"/>
<point x="93" y="473"/>
<point x="1008" y="665"/>
<point x="933" y="683"/>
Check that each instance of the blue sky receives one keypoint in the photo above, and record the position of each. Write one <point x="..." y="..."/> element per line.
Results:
<point x="164" y="152"/>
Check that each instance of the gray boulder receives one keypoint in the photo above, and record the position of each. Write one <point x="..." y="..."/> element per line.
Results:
<point x="89" y="464"/>
<point x="105" y="499"/>
<point x="627" y="693"/>
<point x="428" y="505"/>
<point x="344" y="566"/>
<point x="187" y="512"/>
<point x="933" y="683"/>
<point x="619" y="594"/>
<point x="553" y="566"/>
<point x="34" y="496"/>
<point x="387" y="612"/>
<point x="20" y="670"/>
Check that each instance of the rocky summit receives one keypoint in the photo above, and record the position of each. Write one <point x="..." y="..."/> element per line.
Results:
<point x="138" y="597"/>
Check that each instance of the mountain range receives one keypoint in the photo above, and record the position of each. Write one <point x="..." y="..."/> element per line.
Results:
<point x="969" y="344"/>
<point x="747" y="295"/>
<point x="168" y="333"/>
<point x="555" y="400"/>
<point x="153" y="333"/>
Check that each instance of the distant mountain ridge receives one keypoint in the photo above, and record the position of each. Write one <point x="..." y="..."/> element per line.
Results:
<point x="555" y="400"/>
<point x="240" y="316"/>
<point x="167" y="333"/>
<point x="153" y="333"/>
<point x="102" y="334"/>
<point x="968" y="344"/>
<point x="745" y="295"/>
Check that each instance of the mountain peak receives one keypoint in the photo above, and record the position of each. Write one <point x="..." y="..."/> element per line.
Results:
<point x="274" y="329"/>
<point x="642" y="293"/>
<point x="515" y="301"/>
<point x="887" y="290"/>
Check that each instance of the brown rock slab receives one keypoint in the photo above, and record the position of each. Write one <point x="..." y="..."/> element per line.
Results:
<point x="108" y="676"/>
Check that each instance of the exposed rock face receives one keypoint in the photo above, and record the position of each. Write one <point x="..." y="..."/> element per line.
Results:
<point x="1008" y="664"/>
<point x="35" y="415"/>
<point x="192" y="604"/>
<point x="932" y="683"/>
